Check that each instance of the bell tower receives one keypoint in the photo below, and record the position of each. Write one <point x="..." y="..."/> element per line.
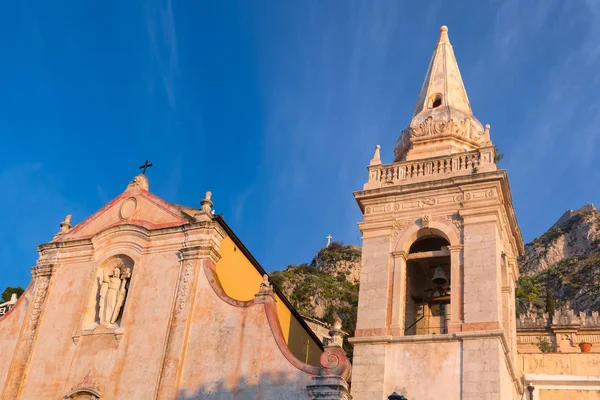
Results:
<point x="436" y="310"/>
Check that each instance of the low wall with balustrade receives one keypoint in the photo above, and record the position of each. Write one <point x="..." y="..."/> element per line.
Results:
<point x="469" y="162"/>
<point x="562" y="332"/>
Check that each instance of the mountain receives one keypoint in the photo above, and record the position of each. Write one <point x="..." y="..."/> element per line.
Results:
<point x="562" y="267"/>
<point x="326" y="287"/>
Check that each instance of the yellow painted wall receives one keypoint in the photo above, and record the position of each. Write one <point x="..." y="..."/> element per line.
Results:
<point x="241" y="281"/>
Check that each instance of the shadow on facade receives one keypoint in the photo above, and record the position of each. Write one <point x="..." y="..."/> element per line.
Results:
<point x="276" y="386"/>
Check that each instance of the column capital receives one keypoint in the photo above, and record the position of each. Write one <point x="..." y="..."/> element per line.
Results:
<point x="455" y="248"/>
<point x="400" y="254"/>
<point x="203" y="251"/>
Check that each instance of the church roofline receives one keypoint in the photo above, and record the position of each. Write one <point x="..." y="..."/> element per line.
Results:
<point x="219" y="218"/>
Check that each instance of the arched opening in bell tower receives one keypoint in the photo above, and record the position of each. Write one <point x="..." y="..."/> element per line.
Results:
<point x="427" y="303"/>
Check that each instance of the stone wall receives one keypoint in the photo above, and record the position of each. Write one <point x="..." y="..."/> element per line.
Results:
<point x="563" y="331"/>
<point x="562" y="376"/>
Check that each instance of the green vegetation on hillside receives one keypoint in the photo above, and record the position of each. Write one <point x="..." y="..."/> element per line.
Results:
<point x="320" y="294"/>
<point x="573" y="281"/>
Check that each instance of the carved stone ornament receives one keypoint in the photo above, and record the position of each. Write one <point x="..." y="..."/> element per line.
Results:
<point x="425" y="221"/>
<point x="265" y="286"/>
<point x="140" y="182"/>
<point x="399" y="225"/>
<point x="86" y="389"/>
<point x="453" y="219"/>
<point x="336" y="334"/>
<point x="462" y="128"/>
<point x="206" y="203"/>
<point x="129" y="208"/>
<point x="427" y="202"/>
<point x="185" y="285"/>
<point x="112" y="293"/>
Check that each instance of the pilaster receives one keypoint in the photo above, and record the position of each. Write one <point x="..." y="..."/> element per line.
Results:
<point x="482" y="278"/>
<point x="399" y="291"/>
<point x="43" y="275"/>
<point x="178" y="330"/>
<point x="375" y="278"/>
<point x="456" y="291"/>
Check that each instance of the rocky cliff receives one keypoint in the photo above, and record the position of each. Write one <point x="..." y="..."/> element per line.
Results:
<point x="562" y="267"/>
<point x="326" y="287"/>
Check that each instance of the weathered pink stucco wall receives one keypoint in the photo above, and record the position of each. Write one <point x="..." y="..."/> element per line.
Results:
<point x="10" y="325"/>
<point x="232" y="350"/>
<point x="179" y="335"/>
<point x="124" y="369"/>
<point x="410" y="365"/>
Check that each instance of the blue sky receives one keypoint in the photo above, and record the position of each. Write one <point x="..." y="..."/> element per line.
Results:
<point x="276" y="107"/>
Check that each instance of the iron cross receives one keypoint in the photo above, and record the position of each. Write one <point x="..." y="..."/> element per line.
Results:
<point x="145" y="166"/>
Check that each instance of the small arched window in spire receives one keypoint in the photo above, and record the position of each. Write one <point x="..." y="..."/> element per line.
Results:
<point x="436" y="101"/>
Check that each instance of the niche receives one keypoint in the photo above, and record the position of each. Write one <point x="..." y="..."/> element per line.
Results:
<point x="108" y="293"/>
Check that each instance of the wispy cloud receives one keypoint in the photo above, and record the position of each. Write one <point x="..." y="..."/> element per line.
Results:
<point x="328" y="103"/>
<point x="549" y="54"/>
<point x="160" y="23"/>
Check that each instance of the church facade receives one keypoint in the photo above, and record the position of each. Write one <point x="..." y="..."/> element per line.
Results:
<point x="150" y="300"/>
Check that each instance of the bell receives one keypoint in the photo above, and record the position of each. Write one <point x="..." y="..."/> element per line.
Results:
<point x="439" y="276"/>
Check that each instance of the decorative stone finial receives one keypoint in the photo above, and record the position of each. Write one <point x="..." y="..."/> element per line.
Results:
<point x="65" y="226"/>
<point x="336" y="333"/>
<point x="140" y="182"/>
<point x="206" y="204"/>
<point x="444" y="35"/>
<point x="376" y="157"/>
<point x="265" y="285"/>
<point x="265" y="290"/>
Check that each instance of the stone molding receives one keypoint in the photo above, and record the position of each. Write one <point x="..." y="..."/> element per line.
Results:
<point x="329" y="388"/>
<point x="560" y="382"/>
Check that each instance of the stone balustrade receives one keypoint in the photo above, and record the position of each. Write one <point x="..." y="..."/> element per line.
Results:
<point x="564" y="330"/>
<point x="381" y="175"/>
<point x="560" y="318"/>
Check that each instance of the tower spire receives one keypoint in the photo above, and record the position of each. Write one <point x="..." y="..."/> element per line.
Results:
<point x="443" y="79"/>
<point x="442" y="111"/>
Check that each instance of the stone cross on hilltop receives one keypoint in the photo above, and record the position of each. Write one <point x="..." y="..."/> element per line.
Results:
<point x="328" y="237"/>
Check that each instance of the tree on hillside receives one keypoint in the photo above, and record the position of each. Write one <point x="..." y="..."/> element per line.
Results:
<point x="9" y="291"/>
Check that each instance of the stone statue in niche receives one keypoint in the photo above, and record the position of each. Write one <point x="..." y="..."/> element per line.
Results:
<point x="112" y="293"/>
